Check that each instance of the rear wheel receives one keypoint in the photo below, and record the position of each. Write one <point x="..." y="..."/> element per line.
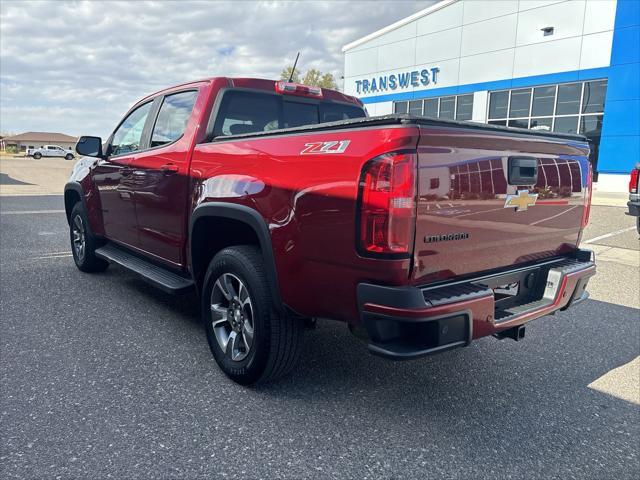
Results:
<point x="83" y="243"/>
<point x="37" y="155"/>
<point x="249" y="340"/>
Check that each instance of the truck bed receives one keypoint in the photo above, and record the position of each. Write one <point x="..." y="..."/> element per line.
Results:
<point x="403" y="119"/>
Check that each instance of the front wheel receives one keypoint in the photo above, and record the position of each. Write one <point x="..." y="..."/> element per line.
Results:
<point x="68" y="156"/>
<point x="249" y="340"/>
<point x="83" y="243"/>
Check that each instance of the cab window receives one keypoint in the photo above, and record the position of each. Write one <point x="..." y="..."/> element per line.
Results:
<point x="250" y="112"/>
<point x="173" y="117"/>
<point x="126" y="138"/>
<point x="247" y="112"/>
<point x="334" y="112"/>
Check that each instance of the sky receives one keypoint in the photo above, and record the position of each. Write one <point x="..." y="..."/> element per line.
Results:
<point x="76" y="67"/>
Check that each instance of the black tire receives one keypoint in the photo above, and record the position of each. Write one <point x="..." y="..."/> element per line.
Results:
<point x="274" y="346"/>
<point x="37" y="155"/>
<point x="84" y="258"/>
<point x="68" y="156"/>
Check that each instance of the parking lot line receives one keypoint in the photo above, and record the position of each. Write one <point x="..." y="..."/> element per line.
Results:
<point x="29" y="212"/>
<point x="610" y="234"/>
<point x="54" y="255"/>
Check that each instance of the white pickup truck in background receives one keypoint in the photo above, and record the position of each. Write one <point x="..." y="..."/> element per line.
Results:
<point x="50" y="151"/>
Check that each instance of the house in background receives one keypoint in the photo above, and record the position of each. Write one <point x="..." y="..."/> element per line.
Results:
<point x="26" y="140"/>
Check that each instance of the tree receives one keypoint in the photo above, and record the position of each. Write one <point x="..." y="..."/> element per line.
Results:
<point x="313" y="78"/>
<point x="286" y="73"/>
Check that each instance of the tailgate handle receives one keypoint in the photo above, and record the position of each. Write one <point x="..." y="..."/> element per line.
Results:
<point x="523" y="171"/>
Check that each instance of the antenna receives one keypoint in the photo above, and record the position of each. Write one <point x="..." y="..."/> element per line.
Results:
<point x="293" y="70"/>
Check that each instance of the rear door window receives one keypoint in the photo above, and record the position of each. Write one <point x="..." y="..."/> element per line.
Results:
<point x="173" y="117"/>
<point x="251" y="112"/>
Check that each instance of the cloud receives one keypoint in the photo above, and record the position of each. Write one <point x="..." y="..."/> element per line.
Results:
<point x="76" y="67"/>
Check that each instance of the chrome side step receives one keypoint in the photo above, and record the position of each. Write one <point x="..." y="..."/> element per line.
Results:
<point x="162" y="278"/>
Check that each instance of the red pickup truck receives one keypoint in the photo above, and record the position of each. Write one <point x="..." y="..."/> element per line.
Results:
<point x="280" y="203"/>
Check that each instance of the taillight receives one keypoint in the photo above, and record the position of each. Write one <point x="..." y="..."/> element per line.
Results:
<point x="298" y="89"/>
<point x="587" y="199"/>
<point x="388" y="204"/>
<point x="633" y="181"/>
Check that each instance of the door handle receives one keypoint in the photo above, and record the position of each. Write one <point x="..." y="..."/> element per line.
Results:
<point x="169" y="169"/>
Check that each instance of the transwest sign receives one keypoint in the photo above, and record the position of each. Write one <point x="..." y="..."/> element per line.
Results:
<point x="398" y="81"/>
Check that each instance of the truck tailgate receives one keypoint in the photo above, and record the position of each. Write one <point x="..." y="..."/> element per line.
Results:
<point x="494" y="198"/>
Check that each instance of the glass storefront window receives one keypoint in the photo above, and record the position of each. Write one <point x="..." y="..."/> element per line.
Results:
<point x="519" y="123"/>
<point x="415" y="107"/>
<point x="564" y="108"/>
<point x="498" y="104"/>
<point x="593" y="96"/>
<point x="520" y="102"/>
<point x="566" y="124"/>
<point x="543" y="124"/>
<point x="459" y="107"/>
<point x="464" y="109"/>
<point x="447" y="107"/>
<point x="431" y="107"/>
<point x="400" y="107"/>
<point x="568" y="98"/>
<point x="591" y="125"/>
<point x="543" y="100"/>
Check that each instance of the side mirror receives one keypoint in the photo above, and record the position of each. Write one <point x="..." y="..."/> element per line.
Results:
<point x="90" y="146"/>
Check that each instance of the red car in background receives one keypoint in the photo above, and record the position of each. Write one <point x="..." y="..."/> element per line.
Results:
<point x="634" y="195"/>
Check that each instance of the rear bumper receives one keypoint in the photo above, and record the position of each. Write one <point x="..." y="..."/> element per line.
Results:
<point x="410" y="322"/>
<point x="634" y="206"/>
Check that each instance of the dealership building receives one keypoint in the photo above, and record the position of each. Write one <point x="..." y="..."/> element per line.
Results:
<point x="569" y="66"/>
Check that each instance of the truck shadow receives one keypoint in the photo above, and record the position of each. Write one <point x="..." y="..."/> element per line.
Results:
<point x="551" y="368"/>
<point x="560" y="356"/>
<point x="5" y="179"/>
<point x="494" y="402"/>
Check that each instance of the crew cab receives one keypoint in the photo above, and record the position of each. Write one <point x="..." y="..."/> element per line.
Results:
<point x="50" y="151"/>
<point x="279" y="203"/>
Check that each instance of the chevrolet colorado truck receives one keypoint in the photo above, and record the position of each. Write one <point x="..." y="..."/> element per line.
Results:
<point x="280" y="203"/>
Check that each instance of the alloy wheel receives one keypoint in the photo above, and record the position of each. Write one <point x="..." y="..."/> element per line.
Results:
<point x="232" y="316"/>
<point x="79" y="241"/>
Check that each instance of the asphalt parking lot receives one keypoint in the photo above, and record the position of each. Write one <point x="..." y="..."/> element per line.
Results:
<point x="104" y="377"/>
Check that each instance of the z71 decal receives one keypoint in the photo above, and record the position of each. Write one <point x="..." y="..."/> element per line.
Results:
<point x="336" y="146"/>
